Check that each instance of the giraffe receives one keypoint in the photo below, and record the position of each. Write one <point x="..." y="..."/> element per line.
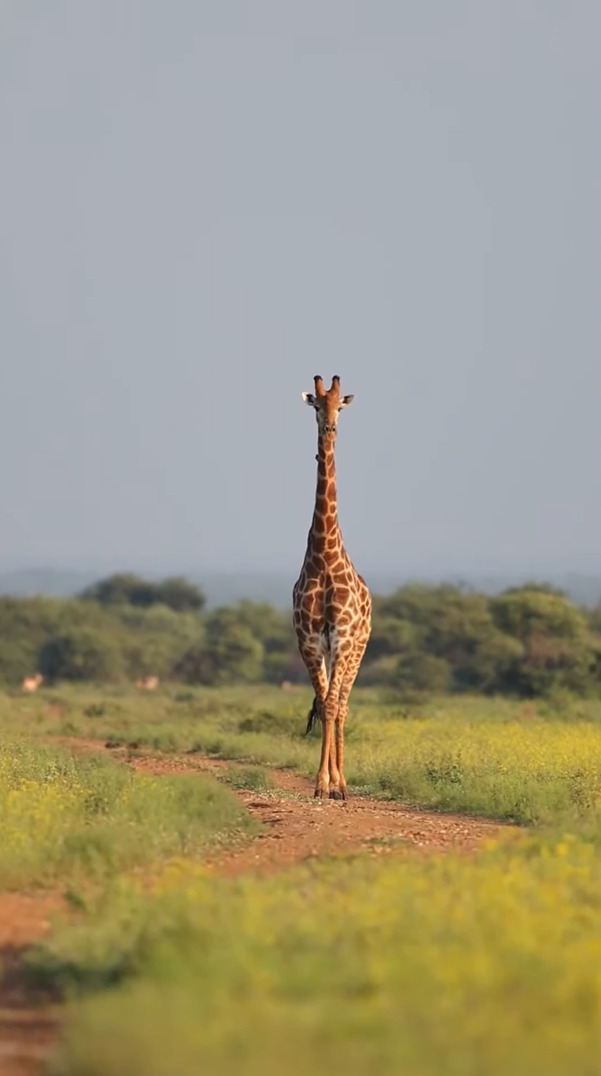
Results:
<point x="331" y="603"/>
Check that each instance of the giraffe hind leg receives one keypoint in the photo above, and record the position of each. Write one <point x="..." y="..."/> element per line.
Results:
<point x="318" y="673"/>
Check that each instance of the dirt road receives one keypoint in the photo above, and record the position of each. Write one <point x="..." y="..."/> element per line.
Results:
<point x="294" y="828"/>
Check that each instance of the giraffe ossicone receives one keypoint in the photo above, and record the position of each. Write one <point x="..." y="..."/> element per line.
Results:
<point x="331" y="602"/>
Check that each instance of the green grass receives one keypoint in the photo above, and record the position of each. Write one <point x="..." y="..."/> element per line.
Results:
<point x="249" y="778"/>
<point x="505" y="759"/>
<point x="448" y="966"/>
<point x="67" y="818"/>
<point x="440" y="967"/>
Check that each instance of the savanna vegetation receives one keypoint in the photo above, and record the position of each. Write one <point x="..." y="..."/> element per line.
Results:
<point x="433" y="965"/>
<point x="69" y="819"/>
<point x="448" y="965"/>
<point x="530" y="641"/>
<point x="513" y="760"/>
<point x="441" y="967"/>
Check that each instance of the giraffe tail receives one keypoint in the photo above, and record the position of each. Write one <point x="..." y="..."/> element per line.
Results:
<point x="313" y="714"/>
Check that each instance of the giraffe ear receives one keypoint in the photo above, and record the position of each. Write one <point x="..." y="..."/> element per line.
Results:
<point x="309" y="398"/>
<point x="346" y="401"/>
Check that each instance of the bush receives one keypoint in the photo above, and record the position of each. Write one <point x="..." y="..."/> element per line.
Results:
<point x="558" y="650"/>
<point x="424" y="672"/>
<point x="528" y="641"/>
<point x="125" y="588"/>
<point x="232" y="651"/>
<point x="81" y="655"/>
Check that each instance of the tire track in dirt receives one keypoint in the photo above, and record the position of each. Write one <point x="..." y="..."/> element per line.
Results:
<point x="294" y="828"/>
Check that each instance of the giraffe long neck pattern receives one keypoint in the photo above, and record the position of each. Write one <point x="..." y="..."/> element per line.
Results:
<point x="331" y="603"/>
<point x="324" y="536"/>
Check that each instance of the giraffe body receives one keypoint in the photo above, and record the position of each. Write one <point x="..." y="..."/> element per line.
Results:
<point x="331" y="603"/>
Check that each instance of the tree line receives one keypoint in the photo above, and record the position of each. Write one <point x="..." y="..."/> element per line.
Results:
<point x="528" y="641"/>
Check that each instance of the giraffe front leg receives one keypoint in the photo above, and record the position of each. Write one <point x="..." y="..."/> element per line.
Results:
<point x="350" y="675"/>
<point x="337" y="784"/>
<point x="328" y="779"/>
<point x="322" y="783"/>
<point x="338" y="746"/>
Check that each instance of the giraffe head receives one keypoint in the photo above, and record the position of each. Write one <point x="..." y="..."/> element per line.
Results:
<point x="327" y="404"/>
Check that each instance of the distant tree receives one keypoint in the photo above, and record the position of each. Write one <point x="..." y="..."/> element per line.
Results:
<point x="493" y="662"/>
<point x="81" y="654"/>
<point x="532" y="587"/>
<point x="529" y="640"/>
<point x="273" y="630"/>
<point x="26" y="624"/>
<point x="18" y="659"/>
<point x="195" y="666"/>
<point x="559" y="650"/>
<point x="381" y="671"/>
<point x="447" y="623"/>
<point x="282" y="665"/>
<point x="417" y="603"/>
<point x="594" y="618"/>
<point x="233" y="652"/>
<point x="230" y="652"/>
<point x="268" y="624"/>
<point x="425" y="672"/>
<point x="551" y="663"/>
<point x="180" y="595"/>
<point x="391" y="635"/>
<point x="523" y="612"/>
<point x="125" y="588"/>
<point x="157" y="638"/>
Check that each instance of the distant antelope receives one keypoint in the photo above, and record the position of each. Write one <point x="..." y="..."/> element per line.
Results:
<point x="148" y="683"/>
<point x="287" y="685"/>
<point x="32" y="683"/>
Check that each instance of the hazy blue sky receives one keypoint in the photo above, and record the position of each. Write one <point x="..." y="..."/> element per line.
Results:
<point x="205" y="203"/>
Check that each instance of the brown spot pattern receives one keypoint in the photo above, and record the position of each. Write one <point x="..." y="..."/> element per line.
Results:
<point x="332" y="605"/>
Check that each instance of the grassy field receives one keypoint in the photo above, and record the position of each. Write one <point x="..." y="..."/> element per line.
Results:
<point x="440" y="966"/>
<point x="509" y="760"/>
<point x="450" y="966"/>
<point x="66" y="819"/>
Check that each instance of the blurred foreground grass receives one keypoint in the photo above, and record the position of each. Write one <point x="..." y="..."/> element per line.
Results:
<point x="451" y="966"/>
<point x="439" y="967"/>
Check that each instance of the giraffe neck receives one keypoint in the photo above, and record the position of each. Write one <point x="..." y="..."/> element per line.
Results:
<point x="324" y="537"/>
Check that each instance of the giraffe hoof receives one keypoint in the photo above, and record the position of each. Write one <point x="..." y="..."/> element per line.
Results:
<point x="320" y="794"/>
<point x="337" y="794"/>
